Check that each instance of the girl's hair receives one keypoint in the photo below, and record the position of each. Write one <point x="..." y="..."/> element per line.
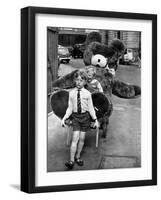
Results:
<point x="80" y="73"/>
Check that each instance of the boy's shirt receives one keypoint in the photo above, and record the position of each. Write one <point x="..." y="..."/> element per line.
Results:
<point x="86" y="103"/>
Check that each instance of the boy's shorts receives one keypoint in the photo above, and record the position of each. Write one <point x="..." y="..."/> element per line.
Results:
<point x="81" y="122"/>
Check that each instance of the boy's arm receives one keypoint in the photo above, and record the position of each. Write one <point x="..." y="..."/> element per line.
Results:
<point x="91" y="108"/>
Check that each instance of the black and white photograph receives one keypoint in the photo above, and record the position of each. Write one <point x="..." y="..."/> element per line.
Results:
<point x="93" y="99"/>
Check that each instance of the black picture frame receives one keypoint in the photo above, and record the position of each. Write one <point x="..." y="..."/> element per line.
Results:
<point x="28" y="98"/>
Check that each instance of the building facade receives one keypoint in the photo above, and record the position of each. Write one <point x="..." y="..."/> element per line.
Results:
<point x="71" y="36"/>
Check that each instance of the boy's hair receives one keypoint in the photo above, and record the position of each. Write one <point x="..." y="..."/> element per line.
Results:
<point x="80" y="73"/>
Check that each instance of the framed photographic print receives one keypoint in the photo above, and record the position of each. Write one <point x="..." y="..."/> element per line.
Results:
<point x="88" y="99"/>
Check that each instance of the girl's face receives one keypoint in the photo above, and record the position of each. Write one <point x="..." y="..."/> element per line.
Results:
<point x="90" y="73"/>
<point x="79" y="82"/>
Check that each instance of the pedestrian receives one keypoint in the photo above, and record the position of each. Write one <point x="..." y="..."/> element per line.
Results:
<point x="91" y="81"/>
<point x="80" y="107"/>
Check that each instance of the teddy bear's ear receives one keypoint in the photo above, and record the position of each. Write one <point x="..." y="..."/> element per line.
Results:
<point x="93" y="37"/>
<point x="117" y="45"/>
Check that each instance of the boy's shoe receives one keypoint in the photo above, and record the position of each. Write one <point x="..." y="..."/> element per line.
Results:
<point x="69" y="164"/>
<point x="79" y="161"/>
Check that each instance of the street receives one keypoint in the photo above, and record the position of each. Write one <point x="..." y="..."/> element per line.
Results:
<point x="122" y="146"/>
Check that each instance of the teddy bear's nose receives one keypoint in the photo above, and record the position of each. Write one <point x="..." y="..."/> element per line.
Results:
<point x="99" y="60"/>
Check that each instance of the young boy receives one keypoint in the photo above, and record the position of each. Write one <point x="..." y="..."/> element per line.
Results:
<point x="80" y="105"/>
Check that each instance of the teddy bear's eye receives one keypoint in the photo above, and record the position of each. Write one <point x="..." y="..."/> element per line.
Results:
<point x="99" y="60"/>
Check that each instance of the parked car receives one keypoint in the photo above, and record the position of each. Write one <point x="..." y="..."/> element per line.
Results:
<point x="128" y="57"/>
<point x="63" y="54"/>
<point x="78" y="50"/>
<point x="70" y="48"/>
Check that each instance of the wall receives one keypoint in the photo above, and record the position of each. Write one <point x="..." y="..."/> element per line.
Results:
<point x="10" y="99"/>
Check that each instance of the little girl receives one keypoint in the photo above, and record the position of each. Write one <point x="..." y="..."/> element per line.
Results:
<point x="92" y="82"/>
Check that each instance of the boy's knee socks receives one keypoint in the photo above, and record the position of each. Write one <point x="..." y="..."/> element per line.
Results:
<point x="79" y="149"/>
<point x="73" y="151"/>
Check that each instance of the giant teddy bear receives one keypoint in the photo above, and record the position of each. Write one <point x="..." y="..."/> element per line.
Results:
<point x="104" y="58"/>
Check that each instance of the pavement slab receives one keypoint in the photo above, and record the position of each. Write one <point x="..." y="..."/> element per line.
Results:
<point x="117" y="162"/>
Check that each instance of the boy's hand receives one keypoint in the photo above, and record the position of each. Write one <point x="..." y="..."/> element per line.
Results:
<point x="63" y="122"/>
<point x="96" y="124"/>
